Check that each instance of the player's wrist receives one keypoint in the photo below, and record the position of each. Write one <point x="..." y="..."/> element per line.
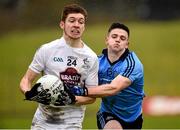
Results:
<point x="27" y="95"/>
<point x="79" y="90"/>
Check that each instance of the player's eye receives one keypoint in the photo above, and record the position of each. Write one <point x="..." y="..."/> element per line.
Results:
<point x="123" y="38"/>
<point x="81" y="21"/>
<point x="71" y="20"/>
<point x="114" y="36"/>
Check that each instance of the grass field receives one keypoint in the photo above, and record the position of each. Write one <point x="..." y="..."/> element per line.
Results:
<point x="156" y="43"/>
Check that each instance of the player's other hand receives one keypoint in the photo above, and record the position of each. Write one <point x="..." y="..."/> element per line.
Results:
<point x="36" y="95"/>
<point x="32" y="93"/>
<point x="65" y="97"/>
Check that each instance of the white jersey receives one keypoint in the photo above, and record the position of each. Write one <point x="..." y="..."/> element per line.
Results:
<point x="73" y="66"/>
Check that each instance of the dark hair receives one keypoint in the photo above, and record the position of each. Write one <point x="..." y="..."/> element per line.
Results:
<point x="73" y="8"/>
<point x="120" y="26"/>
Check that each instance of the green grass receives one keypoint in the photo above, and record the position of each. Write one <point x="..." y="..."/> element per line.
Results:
<point x="156" y="43"/>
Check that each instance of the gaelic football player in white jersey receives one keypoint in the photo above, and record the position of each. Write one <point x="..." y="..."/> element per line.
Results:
<point x="70" y="59"/>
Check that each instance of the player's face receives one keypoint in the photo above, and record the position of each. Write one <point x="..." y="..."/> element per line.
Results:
<point x="117" y="40"/>
<point x="74" y="25"/>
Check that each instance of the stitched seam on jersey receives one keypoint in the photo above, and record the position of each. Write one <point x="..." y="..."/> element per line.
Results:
<point x="130" y="66"/>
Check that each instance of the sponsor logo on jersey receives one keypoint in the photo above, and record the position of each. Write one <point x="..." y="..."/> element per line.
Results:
<point x="57" y="59"/>
<point x="70" y="76"/>
<point x="72" y="57"/>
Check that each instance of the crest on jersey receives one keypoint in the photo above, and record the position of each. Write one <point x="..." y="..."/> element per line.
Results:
<point x="70" y="76"/>
<point x="86" y="63"/>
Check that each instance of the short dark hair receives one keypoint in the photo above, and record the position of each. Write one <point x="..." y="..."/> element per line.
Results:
<point x="73" y="8"/>
<point x="120" y="26"/>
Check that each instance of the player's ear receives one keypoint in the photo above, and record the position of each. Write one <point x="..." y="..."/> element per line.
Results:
<point x="127" y="44"/>
<point x="61" y="24"/>
<point x="106" y="40"/>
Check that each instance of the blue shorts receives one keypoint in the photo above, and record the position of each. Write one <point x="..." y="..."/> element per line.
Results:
<point x="104" y="117"/>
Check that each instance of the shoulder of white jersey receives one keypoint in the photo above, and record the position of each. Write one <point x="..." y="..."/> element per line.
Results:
<point x="90" y="51"/>
<point x="53" y="44"/>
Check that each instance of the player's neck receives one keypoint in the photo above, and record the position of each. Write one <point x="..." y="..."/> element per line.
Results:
<point x="75" y="43"/>
<point x="114" y="56"/>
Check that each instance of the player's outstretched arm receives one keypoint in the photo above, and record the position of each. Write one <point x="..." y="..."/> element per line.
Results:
<point x="117" y="84"/>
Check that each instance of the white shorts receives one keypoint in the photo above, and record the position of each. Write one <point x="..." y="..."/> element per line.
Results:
<point x="63" y="118"/>
<point x="42" y="125"/>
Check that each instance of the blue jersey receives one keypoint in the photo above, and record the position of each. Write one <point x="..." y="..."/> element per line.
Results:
<point x="127" y="104"/>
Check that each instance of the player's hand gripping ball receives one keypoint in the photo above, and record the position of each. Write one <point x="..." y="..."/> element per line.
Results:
<point x="49" y="90"/>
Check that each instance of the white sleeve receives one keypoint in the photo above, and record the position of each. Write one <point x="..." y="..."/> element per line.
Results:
<point x="92" y="78"/>
<point x="38" y="63"/>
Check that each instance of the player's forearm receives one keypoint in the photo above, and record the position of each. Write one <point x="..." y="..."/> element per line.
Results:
<point x="117" y="84"/>
<point x="95" y="91"/>
<point x="81" y="100"/>
<point x="26" y="82"/>
<point x="103" y="90"/>
<point x="25" y="85"/>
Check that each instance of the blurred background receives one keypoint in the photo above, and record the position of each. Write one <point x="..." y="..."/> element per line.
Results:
<point x="155" y="37"/>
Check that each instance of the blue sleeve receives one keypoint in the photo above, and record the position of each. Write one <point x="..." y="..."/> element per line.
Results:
<point x="137" y="72"/>
<point x="132" y="68"/>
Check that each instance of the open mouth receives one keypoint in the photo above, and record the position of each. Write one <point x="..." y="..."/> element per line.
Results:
<point x="75" y="32"/>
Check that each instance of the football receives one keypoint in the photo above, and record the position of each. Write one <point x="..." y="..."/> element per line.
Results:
<point x="51" y="85"/>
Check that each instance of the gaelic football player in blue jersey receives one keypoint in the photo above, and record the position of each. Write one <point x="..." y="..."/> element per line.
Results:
<point x="121" y="81"/>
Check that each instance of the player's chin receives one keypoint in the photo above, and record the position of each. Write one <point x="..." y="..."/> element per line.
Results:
<point x="116" y="49"/>
<point x="75" y="37"/>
